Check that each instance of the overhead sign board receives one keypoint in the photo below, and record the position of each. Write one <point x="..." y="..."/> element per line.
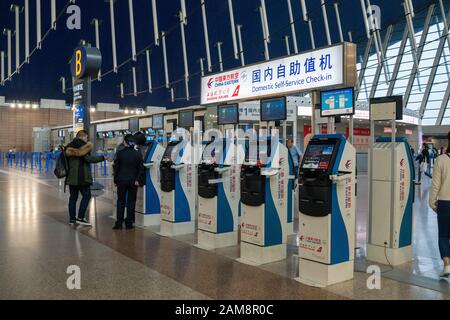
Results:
<point x="312" y="70"/>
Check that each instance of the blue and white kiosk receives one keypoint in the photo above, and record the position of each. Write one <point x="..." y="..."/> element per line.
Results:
<point x="391" y="188"/>
<point x="265" y="176"/>
<point x="148" y="213"/>
<point x="219" y="184"/>
<point x="327" y="201"/>
<point x="177" y="180"/>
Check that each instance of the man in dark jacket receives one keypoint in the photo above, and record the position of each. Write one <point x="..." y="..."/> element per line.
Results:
<point x="128" y="173"/>
<point x="79" y="178"/>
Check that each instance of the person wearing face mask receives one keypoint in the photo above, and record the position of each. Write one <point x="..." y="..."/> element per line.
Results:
<point x="79" y="178"/>
<point x="128" y="174"/>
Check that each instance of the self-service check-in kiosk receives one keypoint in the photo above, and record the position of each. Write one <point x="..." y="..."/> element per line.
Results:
<point x="327" y="211"/>
<point x="148" y="206"/>
<point x="219" y="184"/>
<point x="218" y="195"/>
<point x="177" y="181"/>
<point x="391" y="189"/>
<point x="265" y="176"/>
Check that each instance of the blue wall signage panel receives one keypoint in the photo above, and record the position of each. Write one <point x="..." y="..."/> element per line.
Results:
<point x="337" y="102"/>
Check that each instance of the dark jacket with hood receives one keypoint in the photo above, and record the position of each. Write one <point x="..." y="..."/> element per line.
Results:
<point x="79" y="160"/>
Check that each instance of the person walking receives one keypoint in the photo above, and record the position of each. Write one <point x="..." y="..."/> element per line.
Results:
<point x="79" y="178"/>
<point x="295" y="154"/>
<point x="128" y="174"/>
<point x="440" y="203"/>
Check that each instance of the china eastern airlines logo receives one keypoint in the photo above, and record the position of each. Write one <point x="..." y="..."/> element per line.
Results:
<point x="402" y="162"/>
<point x="210" y="82"/>
<point x="348" y="164"/>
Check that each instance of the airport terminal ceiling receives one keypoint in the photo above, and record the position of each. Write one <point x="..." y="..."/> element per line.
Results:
<point x="427" y="90"/>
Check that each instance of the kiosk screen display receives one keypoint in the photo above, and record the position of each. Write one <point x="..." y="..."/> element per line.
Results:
<point x="228" y="114"/>
<point x="186" y="119"/>
<point x="337" y="102"/>
<point x="273" y="109"/>
<point x="158" y="121"/>
<point x="318" y="157"/>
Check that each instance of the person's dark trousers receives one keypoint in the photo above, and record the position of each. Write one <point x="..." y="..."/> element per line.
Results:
<point x="126" y="197"/>
<point x="86" y="197"/>
<point x="419" y="172"/>
<point x="444" y="228"/>
<point x="296" y="172"/>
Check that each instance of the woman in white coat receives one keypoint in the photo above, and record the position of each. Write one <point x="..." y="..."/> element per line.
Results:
<point x="440" y="203"/>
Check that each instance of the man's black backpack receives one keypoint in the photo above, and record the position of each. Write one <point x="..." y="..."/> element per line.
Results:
<point x="62" y="165"/>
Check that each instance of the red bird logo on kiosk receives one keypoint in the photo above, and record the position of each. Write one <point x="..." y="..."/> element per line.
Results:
<point x="348" y="164"/>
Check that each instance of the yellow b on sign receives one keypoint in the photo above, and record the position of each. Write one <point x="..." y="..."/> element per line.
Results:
<point x="78" y="65"/>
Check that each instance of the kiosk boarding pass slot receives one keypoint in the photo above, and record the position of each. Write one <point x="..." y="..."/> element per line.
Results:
<point x="149" y="165"/>
<point x="178" y="166"/>
<point x="340" y="177"/>
<point x="220" y="171"/>
<point x="270" y="172"/>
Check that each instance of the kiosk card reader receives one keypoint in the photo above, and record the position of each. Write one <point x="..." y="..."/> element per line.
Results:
<point x="218" y="195"/>
<point x="327" y="205"/>
<point x="148" y="206"/>
<point x="177" y="189"/>
<point x="391" y="209"/>
<point x="264" y="201"/>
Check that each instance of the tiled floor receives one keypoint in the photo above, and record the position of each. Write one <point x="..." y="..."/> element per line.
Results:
<point x="37" y="246"/>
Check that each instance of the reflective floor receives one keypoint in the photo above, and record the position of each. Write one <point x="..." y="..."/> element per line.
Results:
<point x="37" y="247"/>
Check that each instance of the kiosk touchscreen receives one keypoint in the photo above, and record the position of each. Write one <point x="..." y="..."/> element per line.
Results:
<point x="327" y="208"/>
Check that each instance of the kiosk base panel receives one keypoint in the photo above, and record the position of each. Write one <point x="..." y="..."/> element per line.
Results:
<point x="210" y="241"/>
<point x="321" y="275"/>
<point x="147" y="220"/>
<point x="256" y="255"/>
<point x="171" y="229"/>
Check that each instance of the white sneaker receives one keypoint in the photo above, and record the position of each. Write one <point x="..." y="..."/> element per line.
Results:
<point x="446" y="271"/>
<point x="83" y="222"/>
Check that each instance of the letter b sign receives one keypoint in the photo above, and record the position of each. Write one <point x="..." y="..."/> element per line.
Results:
<point x="86" y="61"/>
<point x="78" y="65"/>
